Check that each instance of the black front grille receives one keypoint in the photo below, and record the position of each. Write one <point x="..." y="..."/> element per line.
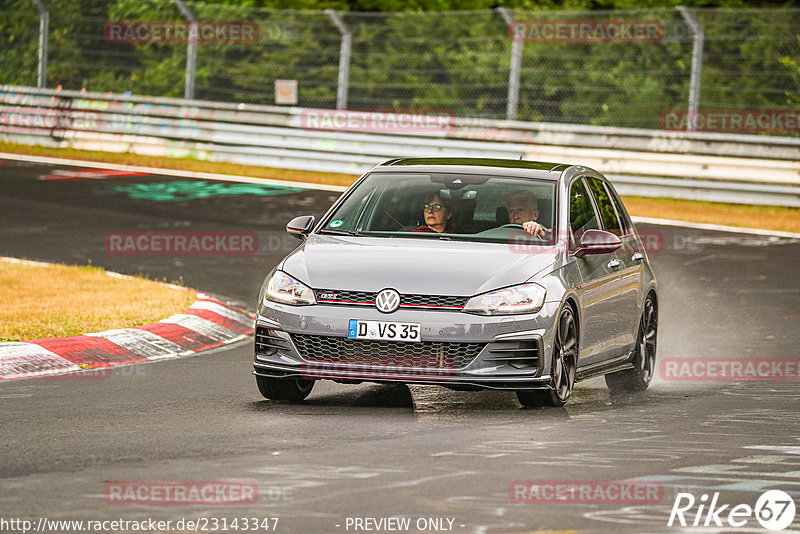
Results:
<point x="387" y="354"/>
<point x="344" y="297"/>
<point x="433" y="301"/>
<point x="268" y="342"/>
<point x="366" y="298"/>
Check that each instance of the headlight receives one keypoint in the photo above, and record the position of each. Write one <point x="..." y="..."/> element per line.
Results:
<point x="525" y="298"/>
<point x="286" y="290"/>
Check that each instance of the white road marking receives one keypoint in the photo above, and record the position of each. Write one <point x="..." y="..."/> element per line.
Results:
<point x="337" y="188"/>
<point x="785" y="449"/>
<point x="172" y="172"/>
<point x="716" y="227"/>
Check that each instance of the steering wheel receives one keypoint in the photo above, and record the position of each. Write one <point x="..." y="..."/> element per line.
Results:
<point x="520" y="227"/>
<point x="393" y="218"/>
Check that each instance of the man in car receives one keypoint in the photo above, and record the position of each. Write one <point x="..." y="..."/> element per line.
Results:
<point x="523" y="209"/>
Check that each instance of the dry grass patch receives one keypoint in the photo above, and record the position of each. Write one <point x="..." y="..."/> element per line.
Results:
<point x="60" y="300"/>
<point x="766" y="217"/>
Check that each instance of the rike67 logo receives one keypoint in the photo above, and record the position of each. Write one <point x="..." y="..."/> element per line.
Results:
<point x="774" y="510"/>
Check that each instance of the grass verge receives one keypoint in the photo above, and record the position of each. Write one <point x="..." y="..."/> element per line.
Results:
<point x="59" y="300"/>
<point x="779" y="218"/>
<point x="766" y="217"/>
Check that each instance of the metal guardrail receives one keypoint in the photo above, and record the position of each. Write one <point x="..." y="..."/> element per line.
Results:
<point x="719" y="167"/>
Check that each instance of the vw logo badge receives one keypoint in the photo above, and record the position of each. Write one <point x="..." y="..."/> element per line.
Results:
<point x="387" y="300"/>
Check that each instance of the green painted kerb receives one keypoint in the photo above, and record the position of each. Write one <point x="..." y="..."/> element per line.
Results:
<point x="192" y="190"/>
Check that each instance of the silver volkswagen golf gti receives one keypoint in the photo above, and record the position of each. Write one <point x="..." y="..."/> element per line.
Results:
<point x="463" y="273"/>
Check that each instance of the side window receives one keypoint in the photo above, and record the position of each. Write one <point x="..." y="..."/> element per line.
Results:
<point x="607" y="212"/>
<point x="627" y="226"/>
<point x="581" y="213"/>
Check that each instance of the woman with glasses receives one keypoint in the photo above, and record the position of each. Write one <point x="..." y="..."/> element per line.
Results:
<point x="439" y="215"/>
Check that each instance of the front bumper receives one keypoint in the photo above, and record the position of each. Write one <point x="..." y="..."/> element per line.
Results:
<point x="504" y="352"/>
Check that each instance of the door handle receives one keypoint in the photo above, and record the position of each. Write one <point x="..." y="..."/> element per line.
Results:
<point x="614" y="264"/>
<point x="638" y="256"/>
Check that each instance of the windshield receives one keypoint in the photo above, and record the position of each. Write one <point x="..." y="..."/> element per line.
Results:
<point x="452" y="206"/>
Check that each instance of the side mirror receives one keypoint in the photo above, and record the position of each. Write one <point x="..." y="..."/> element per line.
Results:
<point x="300" y="226"/>
<point x="597" y="242"/>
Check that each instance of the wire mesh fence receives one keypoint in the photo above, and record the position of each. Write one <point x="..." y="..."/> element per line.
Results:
<point x="627" y="68"/>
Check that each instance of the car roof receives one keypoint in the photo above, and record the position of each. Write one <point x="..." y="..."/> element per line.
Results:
<point x="505" y="167"/>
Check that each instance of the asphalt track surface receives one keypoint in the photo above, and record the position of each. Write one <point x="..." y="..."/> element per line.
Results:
<point x="376" y="451"/>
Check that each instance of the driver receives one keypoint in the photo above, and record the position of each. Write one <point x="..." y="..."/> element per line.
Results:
<point x="523" y="208"/>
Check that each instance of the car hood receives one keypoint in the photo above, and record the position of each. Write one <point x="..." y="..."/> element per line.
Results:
<point x="415" y="266"/>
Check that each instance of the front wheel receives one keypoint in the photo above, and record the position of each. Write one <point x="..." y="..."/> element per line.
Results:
<point x="284" y="389"/>
<point x="644" y="358"/>
<point x="563" y="368"/>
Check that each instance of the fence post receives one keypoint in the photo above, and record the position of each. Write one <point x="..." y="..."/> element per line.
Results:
<point x="516" y="61"/>
<point x="697" y="65"/>
<point x="191" y="50"/>
<point x="44" y="33"/>
<point x="344" y="58"/>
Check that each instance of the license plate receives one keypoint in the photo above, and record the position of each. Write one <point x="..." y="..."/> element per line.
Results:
<point x="383" y="330"/>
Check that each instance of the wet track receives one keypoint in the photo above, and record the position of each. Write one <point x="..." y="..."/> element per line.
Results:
<point x="380" y="451"/>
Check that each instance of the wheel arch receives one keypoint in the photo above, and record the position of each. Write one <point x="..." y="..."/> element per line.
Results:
<point x="651" y="291"/>
<point x="571" y="300"/>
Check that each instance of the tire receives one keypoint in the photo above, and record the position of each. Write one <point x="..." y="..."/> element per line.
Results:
<point x="563" y="367"/>
<point x="284" y="389"/>
<point x="644" y="357"/>
<point x="534" y="398"/>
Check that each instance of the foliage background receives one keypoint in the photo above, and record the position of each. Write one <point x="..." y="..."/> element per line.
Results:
<point x="444" y="55"/>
